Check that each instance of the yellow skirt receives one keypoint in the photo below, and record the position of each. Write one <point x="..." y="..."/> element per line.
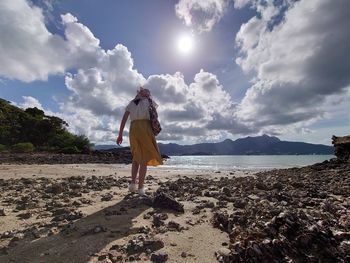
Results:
<point x="143" y="145"/>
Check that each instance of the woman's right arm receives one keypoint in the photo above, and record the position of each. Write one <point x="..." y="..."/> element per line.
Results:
<point x="121" y="129"/>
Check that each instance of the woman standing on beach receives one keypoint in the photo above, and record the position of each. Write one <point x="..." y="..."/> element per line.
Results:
<point x="143" y="145"/>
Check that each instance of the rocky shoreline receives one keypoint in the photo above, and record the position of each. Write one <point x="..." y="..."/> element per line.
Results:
<point x="288" y="215"/>
<point x="122" y="155"/>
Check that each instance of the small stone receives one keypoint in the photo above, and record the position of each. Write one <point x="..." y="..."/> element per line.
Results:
<point x="184" y="254"/>
<point x="2" y="212"/>
<point x="25" y="215"/>
<point x="224" y="252"/>
<point x="253" y="197"/>
<point x="107" y="197"/>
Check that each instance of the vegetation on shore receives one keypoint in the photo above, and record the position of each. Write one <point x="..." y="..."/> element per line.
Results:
<point x="31" y="130"/>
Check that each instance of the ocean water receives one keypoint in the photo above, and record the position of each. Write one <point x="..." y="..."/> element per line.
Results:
<point x="242" y="162"/>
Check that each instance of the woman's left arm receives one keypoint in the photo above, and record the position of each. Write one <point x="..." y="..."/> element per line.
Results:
<point x="121" y="129"/>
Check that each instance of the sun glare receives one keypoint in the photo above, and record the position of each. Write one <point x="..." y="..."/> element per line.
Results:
<point x="185" y="44"/>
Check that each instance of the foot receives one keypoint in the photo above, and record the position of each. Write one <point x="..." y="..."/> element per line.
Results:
<point x="132" y="187"/>
<point x="142" y="191"/>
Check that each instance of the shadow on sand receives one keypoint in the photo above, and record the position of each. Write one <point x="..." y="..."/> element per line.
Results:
<point x="78" y="243"/>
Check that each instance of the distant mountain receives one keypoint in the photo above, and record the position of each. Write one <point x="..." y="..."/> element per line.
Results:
<point x="260" y="145"/>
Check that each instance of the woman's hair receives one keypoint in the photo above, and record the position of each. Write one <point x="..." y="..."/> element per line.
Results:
<point x="145" y="92"/>
<point x="142" y="94"/>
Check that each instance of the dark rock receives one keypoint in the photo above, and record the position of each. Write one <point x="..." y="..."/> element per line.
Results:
<point x="140" y="245"/>
<point x="2" y="212"/>
<point x="172" y="225"/>
<point x="162" y="200"/>
<point x="25" y="215"/>
<point x="158" y="219"/>
<point x="106" y="197"/>
<point x="115" y="256"/>
<point x="159" y="257"/>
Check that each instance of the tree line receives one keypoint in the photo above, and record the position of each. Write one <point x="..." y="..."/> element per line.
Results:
<point x="32" y="130"/>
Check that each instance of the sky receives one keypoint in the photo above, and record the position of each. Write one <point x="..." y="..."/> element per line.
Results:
<point x="217" y="68"/>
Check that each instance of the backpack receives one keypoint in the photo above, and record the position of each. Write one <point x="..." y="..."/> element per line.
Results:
<point x="155" y="124"/>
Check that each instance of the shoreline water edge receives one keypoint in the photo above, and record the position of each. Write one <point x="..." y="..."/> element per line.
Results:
<point x="83" y="213"/>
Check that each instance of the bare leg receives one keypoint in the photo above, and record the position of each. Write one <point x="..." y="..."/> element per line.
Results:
<point x="134" y="169"/>
<point x="142" y="174"/>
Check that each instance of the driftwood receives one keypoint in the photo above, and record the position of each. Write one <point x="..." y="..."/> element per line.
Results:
<point x="342" y="147"/>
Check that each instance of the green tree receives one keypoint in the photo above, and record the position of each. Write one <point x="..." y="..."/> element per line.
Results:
<point x="42" y="131"/>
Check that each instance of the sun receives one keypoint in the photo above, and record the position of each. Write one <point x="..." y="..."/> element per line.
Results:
<point x="185" y="44"/>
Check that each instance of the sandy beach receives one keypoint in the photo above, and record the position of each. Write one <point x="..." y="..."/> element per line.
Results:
<point x="83" y="213"/>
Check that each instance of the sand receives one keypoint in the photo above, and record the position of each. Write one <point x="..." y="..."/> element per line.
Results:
<point x="197" y="243"/>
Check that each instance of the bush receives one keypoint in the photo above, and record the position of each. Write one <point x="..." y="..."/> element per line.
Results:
<point x="22" y="147"/>
<point x="3" y="148"/>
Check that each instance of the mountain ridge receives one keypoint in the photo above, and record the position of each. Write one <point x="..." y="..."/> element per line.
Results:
<point x="258" y="145"/>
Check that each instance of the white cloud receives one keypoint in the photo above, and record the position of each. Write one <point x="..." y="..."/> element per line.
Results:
<point x="30" y="52"/>
<point x="30" y="102"/>
<point x="201" y="14"/>
<point x="298" y="62"/>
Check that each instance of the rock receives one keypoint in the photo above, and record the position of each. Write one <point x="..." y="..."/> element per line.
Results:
<point x="55" y="189"/>
<point x="158" y="219"/>
<point x="226" y="191"/>
<point x="223" y="252"/>
<point x="253" y="197"/>
<point x="162" y="200"/>
<point x="224" y="255"/>
<point x="139" y="244"/>
<point x="342" y="147"/>
<point x="107" y="197"/>
<point x="172" y="225"/>
<point x="115" y="256"/>
<point x="184" y="254"/>
<point x="2" y="212"/>
<point x="25" y="215"/>
<point x="159" y="257"/>
<point x="239" y="203"/>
